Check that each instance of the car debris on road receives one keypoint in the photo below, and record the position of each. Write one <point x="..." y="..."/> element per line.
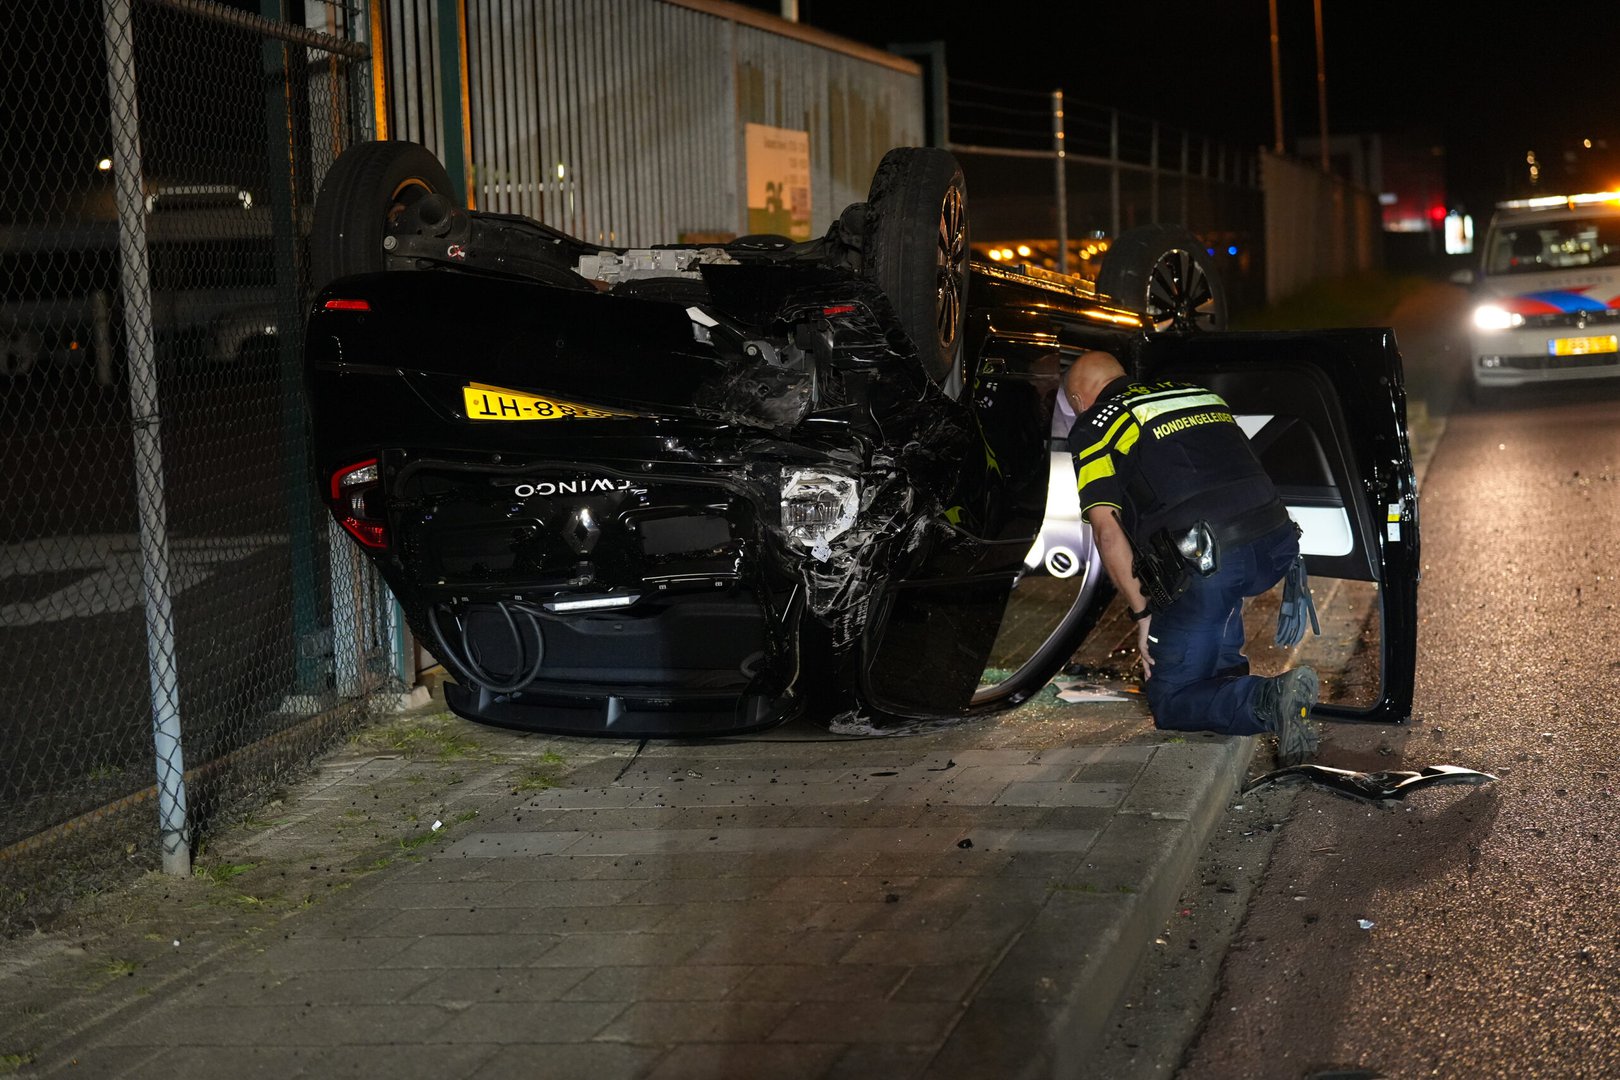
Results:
<point x="1374" y="787"/>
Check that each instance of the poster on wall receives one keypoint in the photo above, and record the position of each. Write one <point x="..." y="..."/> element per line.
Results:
<point x="778" y="181"/>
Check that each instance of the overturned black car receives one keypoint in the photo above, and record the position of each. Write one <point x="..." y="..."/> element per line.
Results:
<point x="690" y="490"/>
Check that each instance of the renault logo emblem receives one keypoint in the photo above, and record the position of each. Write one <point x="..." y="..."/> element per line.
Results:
<point x="580" y="530"/>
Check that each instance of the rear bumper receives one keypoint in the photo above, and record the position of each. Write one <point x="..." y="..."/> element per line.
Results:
<point x="600" y="597"/>
<point x="695" y="664"/>
<point x="624" y="713"/>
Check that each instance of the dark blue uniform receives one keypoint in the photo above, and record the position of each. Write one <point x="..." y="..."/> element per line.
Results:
<point x="1167" y="456"/>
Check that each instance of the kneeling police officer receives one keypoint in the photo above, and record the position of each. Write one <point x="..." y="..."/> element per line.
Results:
<point x="1188" y="524"/>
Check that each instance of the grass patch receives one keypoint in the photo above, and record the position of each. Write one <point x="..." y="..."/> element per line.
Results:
<point x="541" y="775"/>
<point x="411" y="843"/>
<point x="10" y="1063"/>
<point x="440" y="737"/>
<point x="220" y="874"/>
<point x="125" y="968"/>
<point x="1359" y="300"/>
<point x="254" y="822"/>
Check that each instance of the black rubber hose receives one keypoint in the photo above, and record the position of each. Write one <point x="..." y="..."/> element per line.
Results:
<point x="475" y="673"/>
<point x="483" y="677"/>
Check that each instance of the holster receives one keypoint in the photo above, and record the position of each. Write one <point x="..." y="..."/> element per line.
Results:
<point x="1161" y="569"/>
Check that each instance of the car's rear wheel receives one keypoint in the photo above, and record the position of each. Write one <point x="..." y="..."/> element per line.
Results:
<point x="1165" y="274"/>
<point x="917" y="251"/>
<point x="368" y="186"/>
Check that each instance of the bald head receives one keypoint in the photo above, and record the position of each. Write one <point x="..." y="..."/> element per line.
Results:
<point x="1087" y="377"/>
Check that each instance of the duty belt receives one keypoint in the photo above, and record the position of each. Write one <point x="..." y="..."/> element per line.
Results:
<point x="1251" y="524"/>
<point x="1201" y="544"/>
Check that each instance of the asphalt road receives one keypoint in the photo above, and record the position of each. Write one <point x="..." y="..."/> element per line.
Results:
<point x="1474" y="932"/>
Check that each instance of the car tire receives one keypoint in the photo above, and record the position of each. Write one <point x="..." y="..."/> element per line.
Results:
<point x="368" y="185"/>
<point x="917" y="252"/>
<point x="1164" y="273"/>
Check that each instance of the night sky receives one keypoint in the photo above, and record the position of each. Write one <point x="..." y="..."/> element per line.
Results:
<point x="1487" y="80"/>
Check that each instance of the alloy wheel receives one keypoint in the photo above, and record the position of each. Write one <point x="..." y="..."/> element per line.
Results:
<point x="1180" y="295"/>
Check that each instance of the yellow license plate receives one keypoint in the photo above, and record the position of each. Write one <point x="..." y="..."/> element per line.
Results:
<point x="497" y="403"/>
<point x="1580" y="346"/>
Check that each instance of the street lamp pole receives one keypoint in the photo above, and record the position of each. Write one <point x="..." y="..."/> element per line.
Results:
<point x="1321" y="85"/>
<point x="1276" y="80"/>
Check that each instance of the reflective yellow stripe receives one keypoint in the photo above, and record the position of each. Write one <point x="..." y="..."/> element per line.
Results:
<point x="1085" y="511"/>
<point x="1124" y="418"/>
<point x="1096" y="470"/>
<point x="1145" y="411"/>
<point x="1128" y="440"/>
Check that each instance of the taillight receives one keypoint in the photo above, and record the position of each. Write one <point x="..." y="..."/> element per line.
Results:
<point x="357" y="502"/>
<point x="340" y="304"/>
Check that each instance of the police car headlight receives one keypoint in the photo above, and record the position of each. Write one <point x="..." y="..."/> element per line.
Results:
<point x="1495" y="317"/>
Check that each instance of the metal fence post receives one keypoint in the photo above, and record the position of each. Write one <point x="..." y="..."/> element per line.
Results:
<point x="1113" y="171"/>
<point x="1062" y="179"/>
<point x="136" y="283"/>
<point x="302" y="513"/>
<point x="453" y="92"/>
<point x="1153" y="174"/>
<point x="1186" y="178"/>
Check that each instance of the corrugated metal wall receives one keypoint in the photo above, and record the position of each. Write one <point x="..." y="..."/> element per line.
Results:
<point x="854" y="110"/>
<point x="1317" y="226"/>
<point x="411" y="54"/>
<point x="622" y="121"/>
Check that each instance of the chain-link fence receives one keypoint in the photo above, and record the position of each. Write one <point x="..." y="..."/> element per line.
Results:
<point x="177" y="626"/>
<point x="1118" y="171"/>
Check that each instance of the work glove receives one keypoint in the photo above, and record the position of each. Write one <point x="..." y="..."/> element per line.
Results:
<point x="1297" y="606"/>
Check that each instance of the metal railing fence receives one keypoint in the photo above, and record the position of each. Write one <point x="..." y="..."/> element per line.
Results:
<point x="177" y="624"/>
<point x="1043" y="166"/>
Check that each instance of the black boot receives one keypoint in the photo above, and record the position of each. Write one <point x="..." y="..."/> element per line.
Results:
<point x="1283" y="705"/>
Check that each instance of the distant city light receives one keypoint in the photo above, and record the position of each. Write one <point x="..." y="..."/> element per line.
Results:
<point x="1023" y="249"/>
<point x="105" y="164"/>
<point x="1232" y="250"/>
<point x="1587" y="143"/>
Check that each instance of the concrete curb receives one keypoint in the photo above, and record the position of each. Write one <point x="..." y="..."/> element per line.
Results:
<point x="1108" y="978"/>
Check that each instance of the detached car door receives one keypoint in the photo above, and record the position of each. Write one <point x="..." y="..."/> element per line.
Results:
<point x="1326" y="414"/>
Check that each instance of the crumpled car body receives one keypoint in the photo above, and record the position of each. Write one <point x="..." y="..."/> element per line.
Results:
<point x="702" y="490"/>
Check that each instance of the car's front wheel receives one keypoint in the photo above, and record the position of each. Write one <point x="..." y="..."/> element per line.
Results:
<point x="368" y="186"/>
<point x="917" y="251"/>
<point x="1165" y="274"/>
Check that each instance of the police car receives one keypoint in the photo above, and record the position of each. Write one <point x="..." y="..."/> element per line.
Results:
<point x="1548" y="292"/>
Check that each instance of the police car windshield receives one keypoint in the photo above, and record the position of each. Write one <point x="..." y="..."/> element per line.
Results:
<point x="1530" y="247"/>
